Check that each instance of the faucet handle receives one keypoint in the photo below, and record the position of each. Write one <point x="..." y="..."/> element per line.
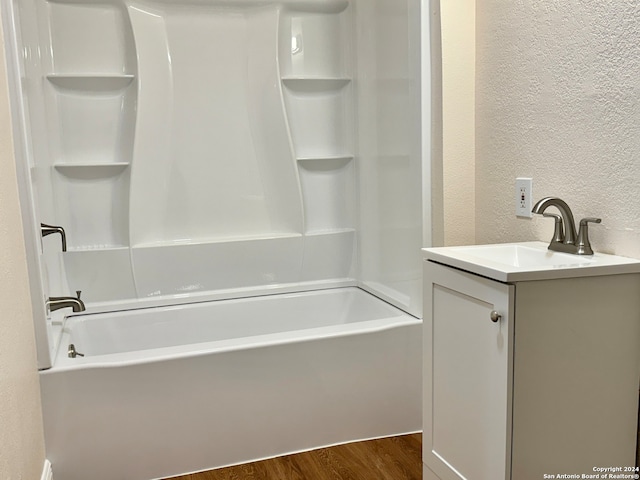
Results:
<point x="584" y="221"/>
<point x="584" y="246"/>
<point x="558" y="231"/>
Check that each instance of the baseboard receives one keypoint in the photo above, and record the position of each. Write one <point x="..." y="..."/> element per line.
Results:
<point x="47" y="473"/>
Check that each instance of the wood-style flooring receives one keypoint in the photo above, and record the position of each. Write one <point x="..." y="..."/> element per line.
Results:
<point x="394" y="458"/>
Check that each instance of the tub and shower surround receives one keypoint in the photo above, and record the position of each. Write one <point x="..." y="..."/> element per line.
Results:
<point x="218" y="149"/>
<point x="236" y="144"/>
<point x="224" y="150"/>
<point x="228" y="166"/>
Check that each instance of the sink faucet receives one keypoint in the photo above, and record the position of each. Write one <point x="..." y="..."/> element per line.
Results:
<point x="567" y="218"/>
<point x="56" y="303"/>
<point x="564" y="237"/>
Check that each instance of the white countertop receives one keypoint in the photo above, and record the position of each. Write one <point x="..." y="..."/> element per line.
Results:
<point x="523" y="261"/>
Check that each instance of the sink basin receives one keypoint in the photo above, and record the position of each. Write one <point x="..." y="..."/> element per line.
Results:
<point x="509" y="262"/>
<point x="525" y="256"/>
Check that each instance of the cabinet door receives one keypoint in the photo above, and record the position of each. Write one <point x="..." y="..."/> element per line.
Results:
<point x="467" y="375"/>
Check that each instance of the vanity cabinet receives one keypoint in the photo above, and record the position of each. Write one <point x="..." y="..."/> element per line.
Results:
<point x="531" y="377"/>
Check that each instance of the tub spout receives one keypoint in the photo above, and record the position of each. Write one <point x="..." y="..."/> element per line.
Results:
<point x="56" y="303"/>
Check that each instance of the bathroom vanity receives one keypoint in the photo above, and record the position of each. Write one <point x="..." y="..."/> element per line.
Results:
<point x="531" y="362"/>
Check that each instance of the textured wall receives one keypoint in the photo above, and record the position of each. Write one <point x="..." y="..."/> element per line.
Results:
<point x="458" y="101"/>
<point x="558" y="99"/>
<point x="21" y="437"/>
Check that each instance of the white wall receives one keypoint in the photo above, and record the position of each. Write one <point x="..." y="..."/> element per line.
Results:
<point x="458" y="101"/>
<point x="21" y="435"/>
<point x="558" y="99"/>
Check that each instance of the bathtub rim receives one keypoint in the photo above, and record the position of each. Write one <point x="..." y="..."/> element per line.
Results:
<point x="176" y="299"/>
<point x="62" y="363"/>
<point x="56" y="320"/>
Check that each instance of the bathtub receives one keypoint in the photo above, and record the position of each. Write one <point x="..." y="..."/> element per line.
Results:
<point x="170" y="390"/>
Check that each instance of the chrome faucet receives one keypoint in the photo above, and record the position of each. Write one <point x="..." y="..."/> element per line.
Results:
<point x="56" y="303"/>
<point x="564" y="235"/>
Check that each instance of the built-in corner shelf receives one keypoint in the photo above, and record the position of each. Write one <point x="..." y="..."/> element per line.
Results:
<point x="318" y="111"/>
<point x="315" y="84"/>
<point x="318" y="232"/>
<point x="337" y="160"/>
<point x="74" y="2"/>
<point x="328" y="193"/>
<point x="98" y="169"/>
<point x="327" y="6"/>
<point x="91" y="82"/>
<point x="99" y="248"/>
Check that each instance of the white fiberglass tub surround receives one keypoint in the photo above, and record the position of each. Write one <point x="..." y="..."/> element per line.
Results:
<point x="171" y="390"/>
<point x="217" y="148"/>
<point x="205" y="150"/>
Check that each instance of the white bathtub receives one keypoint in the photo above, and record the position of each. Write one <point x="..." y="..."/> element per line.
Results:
<point x="171" y="390"/>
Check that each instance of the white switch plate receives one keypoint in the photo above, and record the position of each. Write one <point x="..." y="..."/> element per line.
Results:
<point x="524" y="192"/>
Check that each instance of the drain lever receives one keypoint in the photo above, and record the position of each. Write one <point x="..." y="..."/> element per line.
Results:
<point x="72" y="352"/>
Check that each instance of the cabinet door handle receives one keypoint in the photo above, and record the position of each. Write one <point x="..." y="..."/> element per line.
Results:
<point x="495" y="316"/>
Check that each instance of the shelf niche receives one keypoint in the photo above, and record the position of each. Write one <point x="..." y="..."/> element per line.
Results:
<point x="92" y="203"/>
<point x="319" y="118"/>
<point x="315" y="84"/>
<point x="328" y="186"/>
<point x="312" y="43"/>
<point x="95" y="116"/>
<point x="91" y="83"/>
<point x="91" y="170"/>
